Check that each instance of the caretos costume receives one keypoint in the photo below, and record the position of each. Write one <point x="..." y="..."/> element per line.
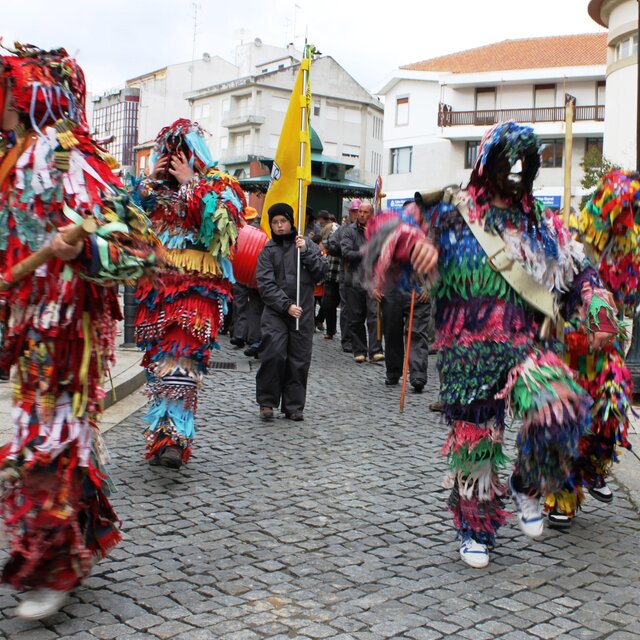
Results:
<point x="492" y="360"/>
<point x="182" y="305"/>
<point x="610" y="225"/>
<point x="62" y="321"/>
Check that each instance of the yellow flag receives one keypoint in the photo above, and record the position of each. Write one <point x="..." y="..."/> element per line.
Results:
<point x="286" y="172"/>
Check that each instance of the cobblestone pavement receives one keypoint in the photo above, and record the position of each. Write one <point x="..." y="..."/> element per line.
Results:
<point x="334" y="527"/>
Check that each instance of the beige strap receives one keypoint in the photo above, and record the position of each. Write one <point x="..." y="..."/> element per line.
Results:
<point x="529" y="289"/>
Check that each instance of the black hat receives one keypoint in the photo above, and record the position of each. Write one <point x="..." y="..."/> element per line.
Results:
<point x="281" y="209"/>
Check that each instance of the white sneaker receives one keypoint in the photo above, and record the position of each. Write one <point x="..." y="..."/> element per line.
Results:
<point x="474" y="553"/>
<point x="41" y="603"/>
<point x="529" y="512"/>
<point x="601" y="492"/>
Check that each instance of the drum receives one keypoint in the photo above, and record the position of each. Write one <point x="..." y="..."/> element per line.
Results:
<point x="245" y="260"/>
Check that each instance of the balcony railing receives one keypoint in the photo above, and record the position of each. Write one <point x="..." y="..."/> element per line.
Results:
<point x="240" y="118"/>
<point x="449" y="118"/>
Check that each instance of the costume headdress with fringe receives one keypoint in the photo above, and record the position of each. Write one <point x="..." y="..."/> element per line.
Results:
<point x="187" y="136"/>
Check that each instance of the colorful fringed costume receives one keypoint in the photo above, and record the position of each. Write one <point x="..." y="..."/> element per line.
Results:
<point x="182" y="305"/>
<point x="61" y="321"/>
<point x="491" y="360"/>
<point x="610" y="225"/>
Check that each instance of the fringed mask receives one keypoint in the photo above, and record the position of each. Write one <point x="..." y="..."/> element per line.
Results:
<point x="508" y="161"/>
<point x="188" y="137"/>
<point x="47" y="86"/>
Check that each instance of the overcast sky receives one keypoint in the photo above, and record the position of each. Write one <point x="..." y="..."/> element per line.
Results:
<point x="120" y="39"/>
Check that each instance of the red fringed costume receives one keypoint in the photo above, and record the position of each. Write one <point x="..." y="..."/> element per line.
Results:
<point x="61" y="321"/>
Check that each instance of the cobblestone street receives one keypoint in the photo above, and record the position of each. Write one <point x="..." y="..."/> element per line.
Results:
<point x="335" y="527"/>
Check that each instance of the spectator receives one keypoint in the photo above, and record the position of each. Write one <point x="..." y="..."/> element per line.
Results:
<point x="362" y="307"/>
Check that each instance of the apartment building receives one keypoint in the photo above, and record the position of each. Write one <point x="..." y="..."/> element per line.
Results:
<point x="245" y="117"/>
<point x="437" y="110"/>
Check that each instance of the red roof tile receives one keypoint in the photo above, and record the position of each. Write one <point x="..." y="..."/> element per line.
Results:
<point x="529" y="53"/>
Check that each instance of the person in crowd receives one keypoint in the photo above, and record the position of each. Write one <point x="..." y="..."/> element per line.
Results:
<point x="363" y="313"/>
<point x="56" y="184"/>
<point x="331" y="291"/>
<point x="396" y="308"/>
<point x="491" y="331"/>
<point x="195" y="209"/>
<point x="247" y="307"/>
<point x="333" y="249"/>
<point x="285" y="353"/>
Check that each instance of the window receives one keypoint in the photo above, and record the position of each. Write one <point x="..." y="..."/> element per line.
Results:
<point x="544" y="95"/>
<point x="402" y="111"/>
<point x="316" y="109"/>
<point x="551" y="153"/>
<point x="627" y="48"/>
<point x="352" y="116"/>
<point x="377" y="128"/>
<point x="401" y="160"/>
<point x="471" y="153"/>
<point x="601" y="88"/>
<point x="593" y="143"/>
<point x="332" y="112"/>
<point x="350" y="151"/>
<point x="226" y="105"/>
<point x="330" y="149"/>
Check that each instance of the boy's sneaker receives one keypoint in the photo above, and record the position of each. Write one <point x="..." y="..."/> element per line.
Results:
<point x="474" y="553"/>
<point x="600" y="491"/>
<point x="41" y="603"/>
<point x="559" y="519"/>
<point x="529" y="512"/>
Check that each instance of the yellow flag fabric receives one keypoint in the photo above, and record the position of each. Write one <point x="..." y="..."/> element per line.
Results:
<point x="286" y="172"/>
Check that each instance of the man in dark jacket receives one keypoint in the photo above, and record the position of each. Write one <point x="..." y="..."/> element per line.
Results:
<point x="362" y="307"/>
<point x="333" y="249"/>
<point x="285" y="353"/>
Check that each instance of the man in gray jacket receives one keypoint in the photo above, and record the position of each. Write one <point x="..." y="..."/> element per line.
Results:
<point x="362" y="307"/>
<point x="285" y="353"/>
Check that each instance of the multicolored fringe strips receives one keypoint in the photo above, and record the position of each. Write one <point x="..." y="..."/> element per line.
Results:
<point x="182" y="305"/>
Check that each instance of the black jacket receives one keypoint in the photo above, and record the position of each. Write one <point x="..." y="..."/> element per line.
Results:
<point x="351" y="242"/>
<point x="276" y="274"/>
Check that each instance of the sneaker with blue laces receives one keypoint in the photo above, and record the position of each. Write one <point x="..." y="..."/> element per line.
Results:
<point x="529" y="510"/>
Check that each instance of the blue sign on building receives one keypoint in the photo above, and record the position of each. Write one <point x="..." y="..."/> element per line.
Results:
<point x="395" y="204"/>
<point x="550" y="202"/>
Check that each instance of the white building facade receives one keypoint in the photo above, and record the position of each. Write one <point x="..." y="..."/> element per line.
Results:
<point x="437" y="111"/>
<point x="245" y="117"/>
<point x="620" y="125"/>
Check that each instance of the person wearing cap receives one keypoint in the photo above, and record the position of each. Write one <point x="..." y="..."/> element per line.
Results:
<point x="247" y="307"/>
<point x="332" y="246"/>
<point x="285" y="353"/>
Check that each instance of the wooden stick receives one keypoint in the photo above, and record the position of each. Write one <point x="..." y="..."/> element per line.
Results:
<point x="27" y="266"/>
<point x="407" y="350"/>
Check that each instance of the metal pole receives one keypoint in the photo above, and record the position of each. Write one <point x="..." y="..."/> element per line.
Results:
<point x="303" y="128"/>
<point x="130" y="307"/>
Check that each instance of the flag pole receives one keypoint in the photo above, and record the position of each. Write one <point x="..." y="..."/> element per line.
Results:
<point x="303" y="129"/>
